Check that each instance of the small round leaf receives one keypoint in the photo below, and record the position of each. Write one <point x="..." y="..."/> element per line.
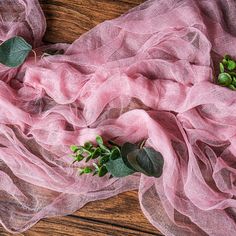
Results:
<point x="224" y="79"/>
<point x="74" y="148"/>
<point x="231" y="65"/>
<point x="99" y="140"/>
<point x="102" y="171"/>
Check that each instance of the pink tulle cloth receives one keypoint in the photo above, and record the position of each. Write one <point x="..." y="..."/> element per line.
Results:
<point x="147" y="74"/>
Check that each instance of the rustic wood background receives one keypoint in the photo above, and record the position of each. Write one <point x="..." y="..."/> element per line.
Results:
<point x="117" y="216"/>
<point x="68" y="19"/>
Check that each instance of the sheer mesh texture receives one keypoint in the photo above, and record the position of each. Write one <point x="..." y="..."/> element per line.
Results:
<point x="145" y="75"/>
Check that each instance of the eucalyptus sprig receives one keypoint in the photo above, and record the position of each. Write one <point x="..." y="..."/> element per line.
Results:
<point x="227" y="76"/>
<point x="117" y="160"/>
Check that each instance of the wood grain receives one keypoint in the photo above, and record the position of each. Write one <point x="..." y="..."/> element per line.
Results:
<point x="68" y="19"/>
<point x="117" y="216"/>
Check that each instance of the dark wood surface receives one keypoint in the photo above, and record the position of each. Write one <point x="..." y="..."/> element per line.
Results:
<point x="68" y="19"/>
<point x="117" y="216"/>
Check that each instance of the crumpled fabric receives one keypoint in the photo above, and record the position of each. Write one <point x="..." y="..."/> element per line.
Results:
<point x="148" y="74"/>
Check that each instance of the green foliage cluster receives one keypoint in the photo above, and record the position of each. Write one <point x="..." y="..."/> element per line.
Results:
<point x="227" y="76"/>
<point x="117" y="160"/>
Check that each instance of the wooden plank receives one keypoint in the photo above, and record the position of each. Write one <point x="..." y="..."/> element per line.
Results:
<point x="123" y="210"/>
<point x="67" y="20"/>
<point x="117" y="216"/>
<point x="68" y="226"/>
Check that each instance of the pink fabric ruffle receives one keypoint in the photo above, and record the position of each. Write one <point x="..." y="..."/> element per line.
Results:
<point x="145" y="75"/>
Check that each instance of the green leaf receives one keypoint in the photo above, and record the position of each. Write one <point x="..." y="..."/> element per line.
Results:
<point x="125" y="150"/>
<point x="79" y="158"/>
<point x="115" y="153"/>
<point x="227" y="57"/>
<point x="118" y="168"/>
<point x="99" y="140"/>
<point x="102" y="171"/>
<point x="224" y="79"/>
<point x="88" y="145"/>
<point x="88" y="158"/>
<point x="132" y="160"/>
<point x="103" y="160"/>
<point x="225" y="62"/>
<point x="96" y="153"/>
<point x="101" y="145"/>
<point x="222" y="69"/>
<point x="14" y="51"/>
<point x="147" y="161"/>
<point x="231" y="86"/>
<point x="87" y="170"/>
<point x="74" y="148"/>
<point x="231" y="65"/>
<point x="234" y="81"/>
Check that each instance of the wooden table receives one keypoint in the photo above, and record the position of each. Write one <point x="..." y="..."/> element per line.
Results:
<point x="66" y="21"/>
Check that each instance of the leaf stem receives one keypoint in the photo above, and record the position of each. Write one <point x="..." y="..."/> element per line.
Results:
<point x="35" y="56"/>
<point x="142" y="143"/>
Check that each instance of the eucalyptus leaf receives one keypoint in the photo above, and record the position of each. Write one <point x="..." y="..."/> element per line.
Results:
<point x="115" y="153"/>
<point x="99" y="140"/>
<point x="96" y="153"/>
<point x="79" y="158"/>
<point x="87" y="170"/>
<point x="125" y="150"/>
<point x="225" y="62"/>
<point x="103" y="160"/>
<point x="147" y="161"/>
<point x="234" y="81"/>
<point x="222" y="69"/>
<point x="118" y="168"/>
<point x="231" y="65"/>
<point x="74" y="148"/>
<point x="88" y="158"/>
<point x="227" y="57"/>
<point x="14" y="51"/>
<point x="101" y="144"/>
<point x="88" y="145"/>
<point x="224" y="79"/>
<point x="231" y="86"/>
<point x="132" y="160"/>
<point x="102" y="171"/>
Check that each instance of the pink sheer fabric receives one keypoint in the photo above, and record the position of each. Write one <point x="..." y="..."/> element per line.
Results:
<point x="145" y="75"/>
